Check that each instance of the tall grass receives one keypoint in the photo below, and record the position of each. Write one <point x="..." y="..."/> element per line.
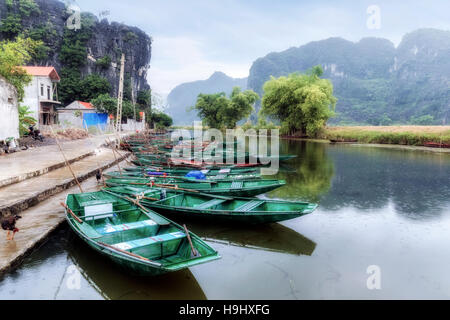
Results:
<point x="401" y="138"/>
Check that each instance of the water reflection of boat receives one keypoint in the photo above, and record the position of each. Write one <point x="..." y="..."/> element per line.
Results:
<point x="113" y="283"/>
<point x="270" y="237"/>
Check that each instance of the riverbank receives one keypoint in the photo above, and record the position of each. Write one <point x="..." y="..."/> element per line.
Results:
<point x="395" y="135"/>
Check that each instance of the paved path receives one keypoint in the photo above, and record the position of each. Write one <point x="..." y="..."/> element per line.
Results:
<point x="35" y="226"/>
<point x="17" y="197"/>
<point x="36" y="181"/>
<point x="24" y="165"/>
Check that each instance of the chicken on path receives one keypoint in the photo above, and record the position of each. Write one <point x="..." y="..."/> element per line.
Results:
<point x="9" y="224"/>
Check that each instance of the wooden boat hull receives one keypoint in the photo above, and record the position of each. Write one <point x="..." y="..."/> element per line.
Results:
<point x="217" y="208"/>
<point x="224" y="177"/>
<point x="239" y="188"/>
<point x="436" y="145"/>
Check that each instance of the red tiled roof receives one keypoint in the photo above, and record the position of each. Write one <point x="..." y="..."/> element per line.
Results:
<point x="43" y="72"/>
<point x="86" y="104"/>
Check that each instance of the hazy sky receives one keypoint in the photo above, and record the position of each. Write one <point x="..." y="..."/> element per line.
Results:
<point x="194" y="38"/>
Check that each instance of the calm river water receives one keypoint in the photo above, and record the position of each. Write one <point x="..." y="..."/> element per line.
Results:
<point x="379" y="207"/>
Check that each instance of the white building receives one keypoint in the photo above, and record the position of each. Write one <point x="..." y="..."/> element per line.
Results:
<point x="9" y="111"/>
<point x="75" y="114"/>
<point x="41" y="95"/>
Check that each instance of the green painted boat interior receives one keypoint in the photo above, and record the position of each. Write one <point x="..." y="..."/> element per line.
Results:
<point x="203" y="202"/>
<point x="118" y="223"/>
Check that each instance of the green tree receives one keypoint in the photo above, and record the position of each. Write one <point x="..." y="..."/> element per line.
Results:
<point x="160" y="119"/>
<point x="107" y="104"/>
<point x="423" y="120"/>
<point x="14" y="54"/>
<point x="218" y="111"/>
<point x="144" y="98"/>
<point x="301" y="102"/>
<point x="25" y="120"/>
<point x="92" y="86"/>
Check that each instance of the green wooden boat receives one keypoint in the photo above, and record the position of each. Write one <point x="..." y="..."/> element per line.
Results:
<point x="134" y="237"/>
<point x="184" y="171"/>
<point x="216" y="208"/>
<point x="238" y="188"/>
<point x="219" y="177"/>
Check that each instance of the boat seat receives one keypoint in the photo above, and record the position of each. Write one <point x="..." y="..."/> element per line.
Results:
<point x="209" y="204"/>
<point x="237" y="185"/>
<point x="139" y="243"/>
<point x="249" y="206"/>
<point x="111" y="229"/>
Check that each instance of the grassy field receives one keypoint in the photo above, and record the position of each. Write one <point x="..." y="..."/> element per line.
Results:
<point x="403" y="135"/>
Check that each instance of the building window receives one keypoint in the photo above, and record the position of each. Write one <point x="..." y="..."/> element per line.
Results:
<point x="48" y="93"/>
<point x="42" y="90"/>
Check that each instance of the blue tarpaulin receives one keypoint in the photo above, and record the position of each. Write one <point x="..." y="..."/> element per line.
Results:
<point x="197" y="175"/>
<point x="95" y="119"/>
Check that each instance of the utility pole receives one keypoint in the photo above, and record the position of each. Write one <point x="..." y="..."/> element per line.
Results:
<point x="120" y="95"/>
<point x="133" y="100"/>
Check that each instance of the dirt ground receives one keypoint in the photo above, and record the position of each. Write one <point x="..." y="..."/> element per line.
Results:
<point x="49" y="138"/>
<point x="31" y="143"/>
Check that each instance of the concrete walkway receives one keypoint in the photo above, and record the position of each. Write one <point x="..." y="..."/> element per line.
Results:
<point x="24" y="165"/>
<point x="33" y="183"/>
<point x="17" y="197"/>
<point x="35" y="226"/>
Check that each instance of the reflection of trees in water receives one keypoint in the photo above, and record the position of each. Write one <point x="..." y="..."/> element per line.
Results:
<point x="416" y="183"/>
<point x="314" y="172"/>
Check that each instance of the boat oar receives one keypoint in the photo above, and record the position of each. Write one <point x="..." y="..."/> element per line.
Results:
<point x="66" y="161"/>
<point x="126" y="252"/>
<point x="71" y="212"/>
<point x="194" y="252"/>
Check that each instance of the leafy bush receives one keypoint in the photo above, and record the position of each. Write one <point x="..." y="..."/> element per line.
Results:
<point x="11" y="26"/>
<point x="144" y="98"/>
<point x="161" y="120"/>
<point x="17" y="10"/>
<point x="131" y="37"/>
<point x="107" y="104"/>
<point x="25" y="121"/>
<point x="104" y="62"/>
<point x="423" y="120"/>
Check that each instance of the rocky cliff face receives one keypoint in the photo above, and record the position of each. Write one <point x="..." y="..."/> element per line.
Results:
<point x="136" y="44"/>
<point x="107" y="40"/>
<point x="375" y="82"/>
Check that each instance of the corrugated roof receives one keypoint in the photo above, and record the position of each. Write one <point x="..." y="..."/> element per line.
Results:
<point x="43" y="72"/>
<point x="87" y="105"/>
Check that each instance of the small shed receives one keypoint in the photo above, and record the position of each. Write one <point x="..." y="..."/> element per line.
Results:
<point x="82" y="114"/>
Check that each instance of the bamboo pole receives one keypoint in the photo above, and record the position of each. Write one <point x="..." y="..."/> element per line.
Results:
<point x="71" y="212"/>
<point x="115" y="157"/>
<point x="126" y="252"/>
<point x="194" y="252"/>
<point x="67" y="162"/>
